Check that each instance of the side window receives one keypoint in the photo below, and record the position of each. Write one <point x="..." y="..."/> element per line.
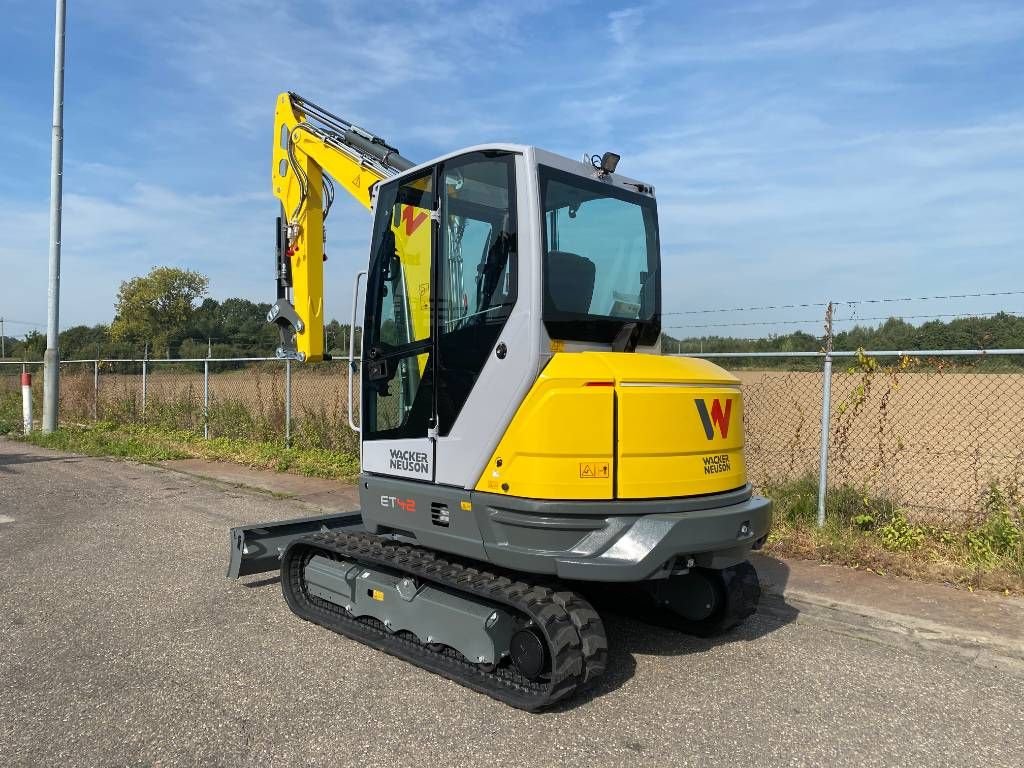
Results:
<point x="478" y="272"/>
<point x="398" y="392"/>
<point x="405" y="265"/>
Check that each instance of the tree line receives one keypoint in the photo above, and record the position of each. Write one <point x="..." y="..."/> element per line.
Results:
<point x="1000" y="331"/>
<point x="167" y="314"/>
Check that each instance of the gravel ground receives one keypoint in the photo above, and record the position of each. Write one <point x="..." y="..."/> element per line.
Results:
<point x="121" y="643"/>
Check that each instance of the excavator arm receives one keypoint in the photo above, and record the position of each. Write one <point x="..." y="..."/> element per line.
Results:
<point x="314" y="151"/>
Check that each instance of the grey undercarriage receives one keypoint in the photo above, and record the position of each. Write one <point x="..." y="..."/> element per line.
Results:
<point x="502" y="616"/>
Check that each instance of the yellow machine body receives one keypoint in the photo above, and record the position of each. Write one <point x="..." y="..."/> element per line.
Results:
<point x="602" y="425"/>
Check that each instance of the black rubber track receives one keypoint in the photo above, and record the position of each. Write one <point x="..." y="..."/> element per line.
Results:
<point x="575" y="637"/>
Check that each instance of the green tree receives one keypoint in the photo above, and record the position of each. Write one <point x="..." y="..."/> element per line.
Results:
<point x="31" y="347"/>
<point x="158" y="307"/>
<point x="83" y="341"/>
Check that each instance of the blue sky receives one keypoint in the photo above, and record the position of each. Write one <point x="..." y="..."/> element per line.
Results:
<point x="801" y="151"/>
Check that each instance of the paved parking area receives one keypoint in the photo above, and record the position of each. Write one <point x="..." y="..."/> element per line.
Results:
<point x="121" y="643"/>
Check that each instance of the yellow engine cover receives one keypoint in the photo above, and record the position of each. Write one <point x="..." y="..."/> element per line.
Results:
<point x="605" y="425"/>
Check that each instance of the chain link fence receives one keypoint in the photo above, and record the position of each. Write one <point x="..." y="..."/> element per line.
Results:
<point x="262" y="399"/>
<point x="932" y="432"/>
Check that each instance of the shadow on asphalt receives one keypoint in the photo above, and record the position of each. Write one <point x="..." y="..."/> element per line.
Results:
<point x="629" y="634"/>
<point x="8" y="460"/>
<point x="264" y="582"/>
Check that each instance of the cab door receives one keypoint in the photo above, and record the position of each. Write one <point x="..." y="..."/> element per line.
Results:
<point x="399" y="361"/>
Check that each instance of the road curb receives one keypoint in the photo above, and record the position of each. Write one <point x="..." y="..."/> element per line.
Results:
<point x="900" y="630"/>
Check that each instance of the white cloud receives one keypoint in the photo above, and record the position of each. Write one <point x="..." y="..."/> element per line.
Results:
<point x="899" y="29"/>
<point x="623" y="24"/>
<point x="107" y="240"/>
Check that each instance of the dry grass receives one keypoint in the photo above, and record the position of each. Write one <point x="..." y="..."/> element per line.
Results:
<point x="875" y="534"/>
<point x="247" y="403"/>
<point x="930" y="439"/>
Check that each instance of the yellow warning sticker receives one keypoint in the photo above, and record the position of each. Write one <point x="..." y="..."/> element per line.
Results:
<point x="557" y="345"/>
<point x="466" y="506"/>
<point x="377" y="595"/>
<point x="595" y="470"/>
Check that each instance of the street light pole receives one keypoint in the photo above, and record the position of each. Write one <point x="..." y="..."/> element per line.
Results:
<point x="51" y="358"/>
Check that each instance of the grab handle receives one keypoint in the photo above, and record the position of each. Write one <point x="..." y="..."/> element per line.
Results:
<point x="352" y="349"/>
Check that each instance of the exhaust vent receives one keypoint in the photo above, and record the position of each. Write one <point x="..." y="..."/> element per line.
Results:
<point x="439" y="514"/>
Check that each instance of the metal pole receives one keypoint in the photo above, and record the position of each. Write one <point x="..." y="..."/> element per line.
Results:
<point x="95" y="390"/>
<point x="51" y="384"/>
<point x="206" y="399"/>
<point x="3" y="341"/>
<point x="826" y="409"/>
<point x="287" y="403"/>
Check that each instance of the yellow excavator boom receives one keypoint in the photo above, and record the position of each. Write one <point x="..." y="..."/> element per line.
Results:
<point x="313" y="151"/>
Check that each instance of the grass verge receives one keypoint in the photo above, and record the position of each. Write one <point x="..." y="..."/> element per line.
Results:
<point x="151" y="444"/>
<point x="875" y="534"/>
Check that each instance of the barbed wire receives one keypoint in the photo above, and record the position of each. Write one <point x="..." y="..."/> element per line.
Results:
<point x="847" y="302"/>
<point x="747" y="323"/>
<point x="958" y="315"/>
<point x="819" y="321"/>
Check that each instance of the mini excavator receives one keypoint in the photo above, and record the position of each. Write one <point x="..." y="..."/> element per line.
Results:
<point x="525" y="447"/>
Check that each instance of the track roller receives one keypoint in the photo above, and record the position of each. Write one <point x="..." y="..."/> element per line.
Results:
<point x="708" y="602"/>
<point x="704" y="602"/>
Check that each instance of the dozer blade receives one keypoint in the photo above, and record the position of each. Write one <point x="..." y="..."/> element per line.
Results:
<point x="258" y="548"/>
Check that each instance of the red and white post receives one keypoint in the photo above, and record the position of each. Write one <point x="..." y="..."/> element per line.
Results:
<point x="26" y="401"/>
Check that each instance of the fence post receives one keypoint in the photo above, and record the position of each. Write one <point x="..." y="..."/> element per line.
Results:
<point x="95" y="390"/>
<point x="206" y="398"/>
<point x="287" y="403"/>
<point x="26" y="400"/>
<point x="826" y="410"/>
<point x="145" y="357"/>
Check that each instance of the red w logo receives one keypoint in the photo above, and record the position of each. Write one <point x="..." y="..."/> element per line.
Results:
<point x="718" y="417"/>
<point x="412" y="221"/>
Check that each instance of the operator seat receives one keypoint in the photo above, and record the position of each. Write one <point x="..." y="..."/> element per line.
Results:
<point x="568" y="282"/>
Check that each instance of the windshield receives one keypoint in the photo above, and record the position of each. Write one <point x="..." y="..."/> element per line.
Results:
<point x="600" y="259"/>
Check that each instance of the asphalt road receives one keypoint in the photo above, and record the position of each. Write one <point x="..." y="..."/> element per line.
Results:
<point x="121" y="643"/>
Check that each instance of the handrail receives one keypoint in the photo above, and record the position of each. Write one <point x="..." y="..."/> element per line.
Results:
<point x="352" y="350"/>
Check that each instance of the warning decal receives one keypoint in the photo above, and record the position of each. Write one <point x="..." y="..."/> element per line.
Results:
<point x="595" y="470"/>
